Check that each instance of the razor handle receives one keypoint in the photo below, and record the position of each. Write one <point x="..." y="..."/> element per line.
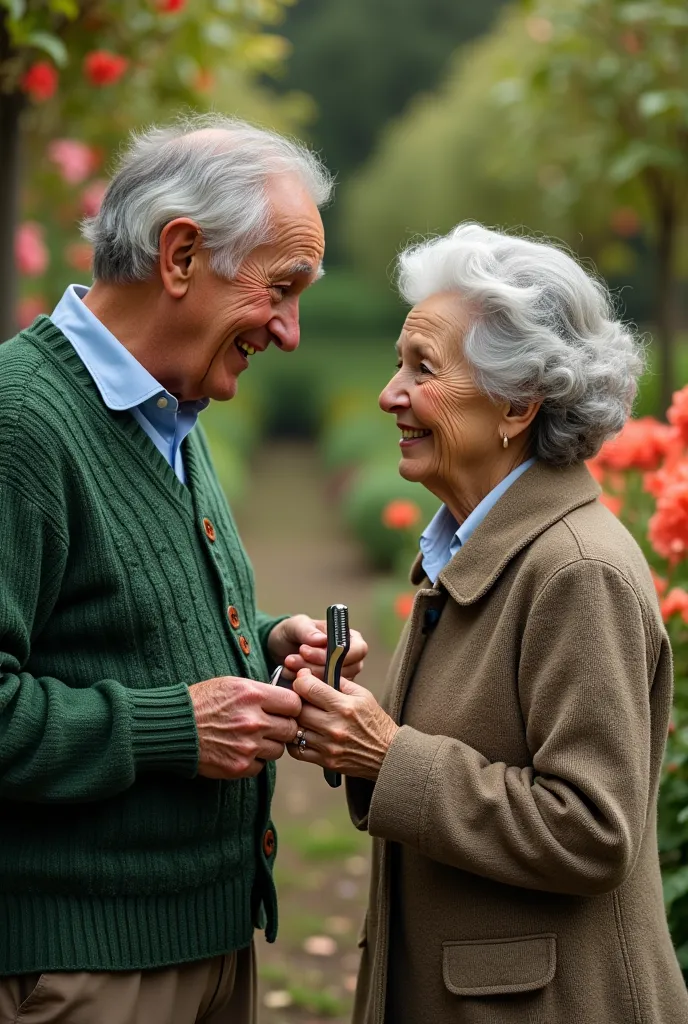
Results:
<point x="338" y="640"/>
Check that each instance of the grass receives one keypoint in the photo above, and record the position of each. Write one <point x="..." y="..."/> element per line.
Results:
<point x="317" y="1000"/>
<point x="324" y="839"/>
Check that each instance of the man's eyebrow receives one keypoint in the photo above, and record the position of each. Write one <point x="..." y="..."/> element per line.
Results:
<point x="304" y="268"/>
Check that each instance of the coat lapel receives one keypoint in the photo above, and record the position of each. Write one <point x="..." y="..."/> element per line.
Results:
<point x="537" y="500"/>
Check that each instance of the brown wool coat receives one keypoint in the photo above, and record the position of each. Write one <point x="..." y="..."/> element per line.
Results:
<point x="515" y="868"/>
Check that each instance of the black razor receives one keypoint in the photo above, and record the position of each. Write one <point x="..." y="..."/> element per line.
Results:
<point x="338" y="641"/>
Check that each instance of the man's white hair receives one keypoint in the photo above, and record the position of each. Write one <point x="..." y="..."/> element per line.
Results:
<point x="541" y="329"/>
<point x="211" y="168"/>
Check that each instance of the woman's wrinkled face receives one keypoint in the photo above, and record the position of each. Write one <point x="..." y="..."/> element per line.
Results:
<point x="450" y="431"/>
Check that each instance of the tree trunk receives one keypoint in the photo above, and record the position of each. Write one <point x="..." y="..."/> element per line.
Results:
<point x="11" y="104"/>
<point x="666" y="295"/>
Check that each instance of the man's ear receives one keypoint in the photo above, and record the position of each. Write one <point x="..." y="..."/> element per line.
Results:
<point x="180" y="241"/>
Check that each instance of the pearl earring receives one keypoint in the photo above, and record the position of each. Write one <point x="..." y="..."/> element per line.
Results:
<point x="505" y="441"/>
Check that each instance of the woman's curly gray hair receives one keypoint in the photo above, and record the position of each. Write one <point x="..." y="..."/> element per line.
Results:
<point x="541" y="329"/>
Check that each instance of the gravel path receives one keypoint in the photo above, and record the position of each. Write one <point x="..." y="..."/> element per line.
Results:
<point x="303" y="562"/>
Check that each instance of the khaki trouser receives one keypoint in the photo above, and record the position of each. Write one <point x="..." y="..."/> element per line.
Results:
<point x="217" y="991"/>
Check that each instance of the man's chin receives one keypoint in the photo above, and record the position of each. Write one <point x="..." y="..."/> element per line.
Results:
<point x="225" y="391"/>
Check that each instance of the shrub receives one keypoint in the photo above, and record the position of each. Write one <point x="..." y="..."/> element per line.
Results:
<point x="374" y="486"/>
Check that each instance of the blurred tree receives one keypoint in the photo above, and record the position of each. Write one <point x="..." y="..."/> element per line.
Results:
<point x="363" y="61"/>
<point x="552" y="123"/>
<point x="468" y="151"/>
<point x="622" y="66"/>
<point x="92" y="70"/>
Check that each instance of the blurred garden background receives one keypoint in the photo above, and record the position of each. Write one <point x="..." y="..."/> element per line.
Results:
<point x="567" y="118"/>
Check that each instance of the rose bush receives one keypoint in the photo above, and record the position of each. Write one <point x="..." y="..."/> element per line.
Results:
<point x="646" y="470"/>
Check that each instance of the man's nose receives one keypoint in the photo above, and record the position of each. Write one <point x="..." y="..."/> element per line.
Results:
<point x="284" y="328"/>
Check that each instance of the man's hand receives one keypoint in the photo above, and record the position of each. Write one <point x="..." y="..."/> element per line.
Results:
<point x="301" y="642"/>
<point x="346" y="731"/>
<point x="241" y="724"/>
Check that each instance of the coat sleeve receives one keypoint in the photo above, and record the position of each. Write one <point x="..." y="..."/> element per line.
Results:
<point x="60" y="743"/>
<point x="572" y="820"/>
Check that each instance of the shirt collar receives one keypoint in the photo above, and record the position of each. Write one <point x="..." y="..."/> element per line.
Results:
<point x="122" y="381"/>
<point x="443" y="536"/>
<point x="535" y="502"/>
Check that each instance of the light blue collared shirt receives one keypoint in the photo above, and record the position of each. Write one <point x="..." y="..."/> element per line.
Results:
<point x="443" y="536"/>
<point x="123" y="382"/>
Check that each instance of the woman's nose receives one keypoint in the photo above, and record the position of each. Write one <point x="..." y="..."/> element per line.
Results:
<point x="393" y="397"/>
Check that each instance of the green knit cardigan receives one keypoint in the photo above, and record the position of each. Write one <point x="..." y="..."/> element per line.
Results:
<point x="116" y="582"/>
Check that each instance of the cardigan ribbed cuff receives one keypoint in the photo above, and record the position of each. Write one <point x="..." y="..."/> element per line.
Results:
<point x="163" y="730"/>
<point x="396" y="806"/>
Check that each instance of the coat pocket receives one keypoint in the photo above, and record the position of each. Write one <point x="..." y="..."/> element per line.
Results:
<point x="494" y="967"/>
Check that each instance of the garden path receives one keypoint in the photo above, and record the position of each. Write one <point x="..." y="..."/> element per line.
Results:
<point x="304" y="561"/>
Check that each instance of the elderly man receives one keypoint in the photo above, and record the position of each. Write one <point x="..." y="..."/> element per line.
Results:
<point x="137" y="735"/>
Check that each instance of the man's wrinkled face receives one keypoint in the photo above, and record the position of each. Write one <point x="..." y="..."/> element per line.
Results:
<point x="232" y="322"/>
<point x="449" y="429"/>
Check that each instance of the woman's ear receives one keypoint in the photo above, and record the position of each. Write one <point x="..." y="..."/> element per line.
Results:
<point x="517" y="419"/>
<point x="180" y="241"/>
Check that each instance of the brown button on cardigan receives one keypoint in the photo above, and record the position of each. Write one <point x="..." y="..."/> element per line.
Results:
<point x="515" y="868"/>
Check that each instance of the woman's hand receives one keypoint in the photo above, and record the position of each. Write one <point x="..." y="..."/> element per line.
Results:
<point x="346" y="730"/>
<point x="301" y="642"/>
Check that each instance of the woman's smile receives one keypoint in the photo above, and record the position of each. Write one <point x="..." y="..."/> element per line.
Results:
<point x="411" y="436"/>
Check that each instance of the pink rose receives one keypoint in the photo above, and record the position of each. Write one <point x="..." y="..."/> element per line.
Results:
<point x="92" y="197"/>
<point x="30" y="251"/>
<point x="74" y="159"/>
<point x="28" y="309"/>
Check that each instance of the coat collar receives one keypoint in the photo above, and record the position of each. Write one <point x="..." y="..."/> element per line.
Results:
<point x="537" y="500"/>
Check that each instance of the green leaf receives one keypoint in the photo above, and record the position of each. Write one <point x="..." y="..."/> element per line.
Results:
<point x="507" y="92"/>
<point x="675" y="885"/>
<point x="16" y="8"/>
<point x="50" y="44"/>
<point x="682" y="955"/>
<point x="652" y="103"/>
<point x="67" y="8"/>
<point x="637" y="12"/>
<point x="637" y="156"/>
<point x="219" y="33"/>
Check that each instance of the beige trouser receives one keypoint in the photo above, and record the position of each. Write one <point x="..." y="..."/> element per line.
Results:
<point x="217" y="991"/>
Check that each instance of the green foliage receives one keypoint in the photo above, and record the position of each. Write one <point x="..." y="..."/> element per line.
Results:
<point x="364" y="61"/>
<point x="206" y="56"/>
<point x="346" y="306"/>
<point x="233" y="429"/>
<point x="323" y="840"/>
<point x="316" y="1000"/>
<point x="673" y="798"/>
<point x="564" y="119"/>
<point x="648" y="402"/>
<point x="374" y="486"/>
<point x="467" y="152"/>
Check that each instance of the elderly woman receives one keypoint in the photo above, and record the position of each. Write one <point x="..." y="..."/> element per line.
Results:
<point x="510" y="777"/>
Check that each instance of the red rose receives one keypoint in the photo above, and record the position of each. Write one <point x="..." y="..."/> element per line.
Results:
<point x="103" y="68"/>
<point x="401" y="514"/>
<point x="170" y="6"/>
<point x="403" y="605"/>
<point x="40" y="81"/>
